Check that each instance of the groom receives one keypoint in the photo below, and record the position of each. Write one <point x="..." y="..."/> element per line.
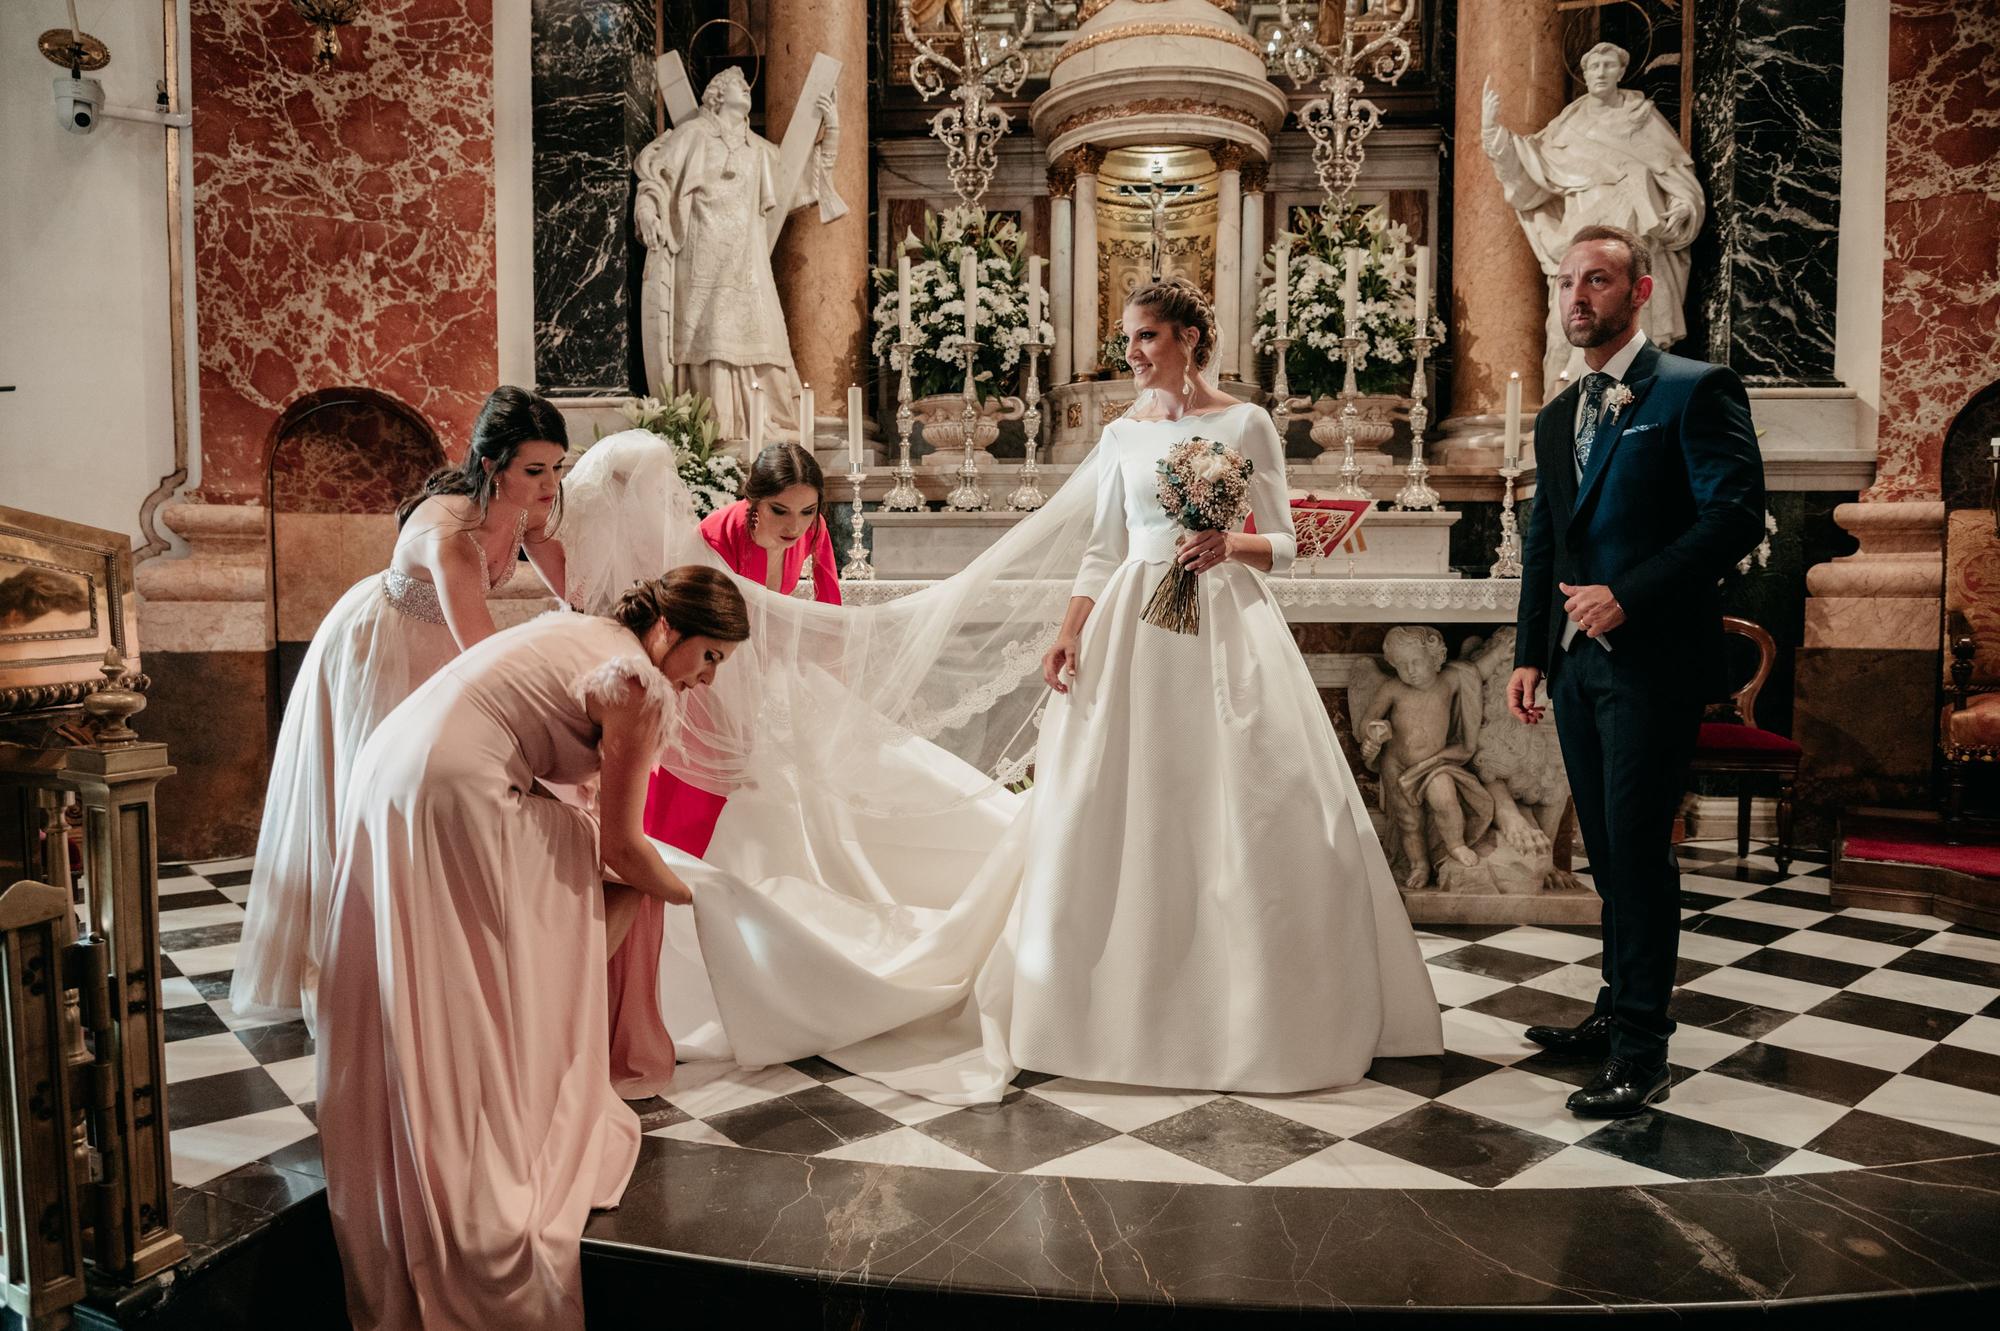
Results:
<point x="1649" y="488"/>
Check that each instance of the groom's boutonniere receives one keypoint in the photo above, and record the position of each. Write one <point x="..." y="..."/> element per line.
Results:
<point x="1619" y="397"/>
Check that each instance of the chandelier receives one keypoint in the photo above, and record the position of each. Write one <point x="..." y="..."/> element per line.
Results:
<point x="990" y="62"/>
<point x="1340" y="119"/>
<point x="327" y="15"/>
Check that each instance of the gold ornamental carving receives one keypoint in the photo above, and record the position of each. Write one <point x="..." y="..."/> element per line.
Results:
<point x="1089" y="158"/>
<point x="1229" y="156"/>
<point x="1124" y="31"/>
<point x="1256" y="175"/>
<point x="1073" y="416"/>
<point x="1156" y="106"/>
<point x="1090" y="9"/>
<point x="1062" y="176"/>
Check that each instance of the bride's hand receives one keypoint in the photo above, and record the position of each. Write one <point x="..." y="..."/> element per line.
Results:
<point x="1203" y="550"/>
<point x="1061" y="658"/>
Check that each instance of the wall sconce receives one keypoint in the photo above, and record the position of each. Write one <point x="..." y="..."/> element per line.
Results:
<point x="327" y="15"/>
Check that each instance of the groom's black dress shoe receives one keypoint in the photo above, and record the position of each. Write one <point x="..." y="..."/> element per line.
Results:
<point x="1590" y="1038"/>
<point x="1621" y="1089"/>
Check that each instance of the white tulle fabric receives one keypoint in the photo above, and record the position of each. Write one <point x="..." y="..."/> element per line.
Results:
<point x="1191" y="894"/>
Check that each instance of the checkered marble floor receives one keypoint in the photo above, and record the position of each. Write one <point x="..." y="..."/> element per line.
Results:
<point x="1811" y="1040"/>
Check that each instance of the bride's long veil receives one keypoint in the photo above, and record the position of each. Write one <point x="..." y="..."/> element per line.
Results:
<point x="818" y="692"/>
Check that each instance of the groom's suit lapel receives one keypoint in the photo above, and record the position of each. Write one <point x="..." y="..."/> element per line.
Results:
<point x="1611" y="430"/>
<point x="1557" y="420"/>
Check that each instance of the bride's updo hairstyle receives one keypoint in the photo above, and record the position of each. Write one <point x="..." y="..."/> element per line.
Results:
<point x="509" y="418"/>
<point x="694" y="600"/>
<point x="1180" y="302"/>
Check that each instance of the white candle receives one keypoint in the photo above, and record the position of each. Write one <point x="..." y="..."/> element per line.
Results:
<point x="903" y="296"/>
<point x="968" y="281"/>
<point x="854" y="427"/>
<point x="1285" y="285"/>
<point x="756" y="419"/>
<point x="805" y="414"/>
<point x="1513" y="417"/>
<point x="1423" y="301"/>
<point x="1350" y="295"/>
<point x="1034" y="298"/>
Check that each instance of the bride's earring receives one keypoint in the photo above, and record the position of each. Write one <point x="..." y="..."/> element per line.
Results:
<point x="1187" y="381"/>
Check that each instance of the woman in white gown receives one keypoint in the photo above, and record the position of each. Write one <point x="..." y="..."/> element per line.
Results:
<point x="389" y="633"/>
<point x="1191" y="895"/>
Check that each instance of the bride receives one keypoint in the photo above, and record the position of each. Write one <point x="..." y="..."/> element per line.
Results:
<point x="1190" y="894"/>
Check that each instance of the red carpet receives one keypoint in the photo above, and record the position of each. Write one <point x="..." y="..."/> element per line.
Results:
<point x="1981" y="860"/>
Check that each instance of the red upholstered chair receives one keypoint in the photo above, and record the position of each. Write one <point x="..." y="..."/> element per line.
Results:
<point x="1731" y="744"/>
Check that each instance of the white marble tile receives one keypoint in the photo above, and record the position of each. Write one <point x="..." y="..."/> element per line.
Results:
<point x="299" y="1077"/>
<point x="1571" y="981"/>
<point x="905" y="1109"/>
<point x="1129" y="1158"/>
<point x="1849" y="1043"/>
<point x="707" y="1089"/>
<point x="174" y="887"/>
<point x="199" y="917"/>
<point x="206" y="1056"/>
<point x="1549" y="943"/>
<point x="1935" y="1104"/>
<point x="1818" y="886"/>
<point x="1834" y="947"/>
<point x="238" y="894"/>
<point x="213" y="1149"/>
<point x="1963" y="945"/>
<point x="221" y="1008"/>
<point x="1981" y="1033"/>
<point x="1897" y="917"/>
<point x="1456" y="988"/>
<point x="1714" y="948"/>
<point x="1774" y="991"/>
<point x="905" y="1146"/>
<point x="206" y="960"/>
<point x="1524" y="1100"/>
<point x="1581" y="1167"/>
<point x="1951" y="995"/>
<point x="1766" y="912"/>
<point x="1717" y="887"/>
<point x="693" y="1130"/>
<point x="208" y="868"/>
<point x="1756" y="1111"/>
<point x="1494" y="1039"/>
<point x="1124" y="1108"/>
<point x="179" y="991"/>
<point x="1435" y="945"/>
<point x="1352" y="1165"/>
<point x="1806" y="1162"/>
<point x="1698" y="1047"/>
<point x="1344" y="1112"/>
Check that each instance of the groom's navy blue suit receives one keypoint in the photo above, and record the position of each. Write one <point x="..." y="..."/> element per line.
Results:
<point x="1671" y="497"/>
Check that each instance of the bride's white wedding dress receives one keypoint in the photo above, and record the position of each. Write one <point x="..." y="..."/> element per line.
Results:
<point x="1191" y="894"/>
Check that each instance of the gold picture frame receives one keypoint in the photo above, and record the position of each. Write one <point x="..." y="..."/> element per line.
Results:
<point x="65" y="599"/>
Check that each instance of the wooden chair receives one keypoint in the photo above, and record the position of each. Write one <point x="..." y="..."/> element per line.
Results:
<point x="1969" y="723"/>
<point x="1734" y="745"/>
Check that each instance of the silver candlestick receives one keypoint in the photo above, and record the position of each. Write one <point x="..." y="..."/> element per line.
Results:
<point x="1028" y="496"/>
<point x="1283" y="404"/>
<point x="857" y="568"/>
<point x="904" y="497"/>
<point x="1417" y="494"/>
<point x="966" y="496"/>
<point x="1350" y="486"/>
<point x="1508" y="564"/>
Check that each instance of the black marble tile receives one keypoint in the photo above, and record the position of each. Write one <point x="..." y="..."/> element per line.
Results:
<point x="1939" y="966"/>
<point x="1743" y="931"/>
<point x="1687" y="968"/>
<point x="225" y="1095"/>
<point x="1701" y="900"/>
<point x="657" y="1113"/>
<point x="277" y="1043"/>
<point x="1795" y="1070"/>
<point x="1236" y="1139"/>
<point x="186" y="940"/>
<point x="818" y="1069"/>
<point x="191" y="1021"/>
<point x="1692" y="856"/>
<point x="301" y="1157"/>
<point x="1735" y="871"/>
<point x="1792" y="896"/>
<point x="1732" y="1016"/>
<point x="1430" y="1077"/>
<point x="805" y="1123"/>
<point x="1873" y="931"/>
<point x="1466" y="1146"/>
<point x="167" y="871"/>
<point x="1024" y="1079"/>
<point x="1496" y="963"/>
<point x="265" y="1187"/>
<point x="180" y="901"/>
<point x="1019" y="1133"/>
<point x="166" y="967"/>
<point x="209" y="1222"/>
<point x="1802" y="966"/>
<point x="1571" y="1069"/>
<point x="1888" y="1014"/>
<point x="233" y="878"/>
<point x="1973" y="1069"/>
<point x="213" y="987"/>
<point x="1532" y="1007"/>
<point x="1875" y="1140"/>
<point x="1685" y="1148"/>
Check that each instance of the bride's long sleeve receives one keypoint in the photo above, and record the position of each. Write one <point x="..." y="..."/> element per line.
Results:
<point x="1270" y="497"/>
<point x="1108" y="545"/>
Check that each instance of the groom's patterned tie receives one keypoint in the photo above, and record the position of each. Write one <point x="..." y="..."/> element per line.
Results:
<point x="1595" y="385"/>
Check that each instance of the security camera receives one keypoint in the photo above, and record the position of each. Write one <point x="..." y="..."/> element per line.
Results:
<point x="79" y="101"/>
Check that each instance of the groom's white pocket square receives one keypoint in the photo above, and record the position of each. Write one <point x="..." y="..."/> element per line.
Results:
<point x="1641" y="429"/>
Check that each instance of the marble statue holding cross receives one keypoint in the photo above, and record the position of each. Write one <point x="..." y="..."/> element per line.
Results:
<point x="712" y="197"/>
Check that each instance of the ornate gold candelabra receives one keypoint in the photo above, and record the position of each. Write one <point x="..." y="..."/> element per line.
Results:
<point x="1508" y="563"/>
<point x="857" y="568"/>
<point x="1417" y="494"/>
<point x="967" y="497"/>
<point x="1028" y="496"/>
<point x="990" y="63"/>
<point x="1340" y="118"/>
<point x="1350" y="486"/>
<point x="904" y="497"/>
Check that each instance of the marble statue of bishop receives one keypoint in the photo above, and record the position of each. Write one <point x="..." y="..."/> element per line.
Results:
<point x="711" y="196"/>
<point x="1609" y="158"/>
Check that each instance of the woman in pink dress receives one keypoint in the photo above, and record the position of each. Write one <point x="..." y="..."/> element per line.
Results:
<point x="459" y="539"/>
<point x="466" y="1105"/>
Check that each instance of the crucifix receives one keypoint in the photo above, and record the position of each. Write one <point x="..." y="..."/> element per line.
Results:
<point x="1158" y="194"/>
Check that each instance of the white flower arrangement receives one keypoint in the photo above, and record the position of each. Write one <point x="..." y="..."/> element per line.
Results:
<point x="937" y="304"/>
<point x="714" y="477"/>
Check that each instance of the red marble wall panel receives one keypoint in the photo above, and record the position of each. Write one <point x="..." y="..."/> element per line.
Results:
<point x="343" y="219"/>
<point x="1941" y="269"/>
<point x="352" y="453"/>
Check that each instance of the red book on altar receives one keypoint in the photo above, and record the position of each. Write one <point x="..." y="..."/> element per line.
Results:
<point x="1325" y="525"/>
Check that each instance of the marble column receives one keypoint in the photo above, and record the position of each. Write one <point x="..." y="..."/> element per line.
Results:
<point x="1499" y="297"/>
<point x="822" y="267"/>
<point x="593" y="100"/>
<point x="1083" y="292"/>
<point x="1250" y="260"/>
<point x="1062" y="254"/>
<point x="1228" y="254"/>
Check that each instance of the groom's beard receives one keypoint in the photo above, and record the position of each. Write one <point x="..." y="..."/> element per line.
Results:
<point x="1597" y="329"/>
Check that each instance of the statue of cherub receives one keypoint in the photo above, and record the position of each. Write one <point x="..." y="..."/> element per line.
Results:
<point x="1420" y="732"/>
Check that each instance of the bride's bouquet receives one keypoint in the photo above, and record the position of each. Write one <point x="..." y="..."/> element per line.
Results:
<point x="1204" y="486"/>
